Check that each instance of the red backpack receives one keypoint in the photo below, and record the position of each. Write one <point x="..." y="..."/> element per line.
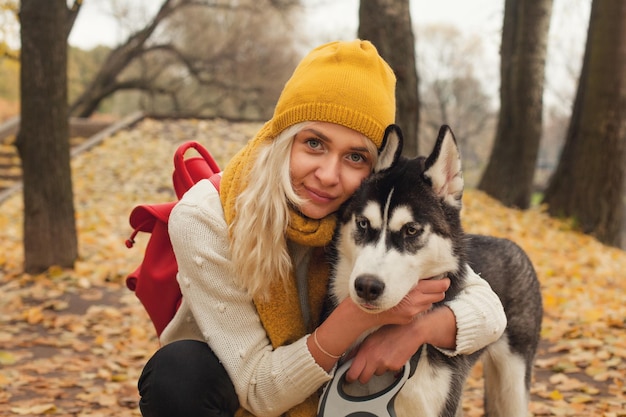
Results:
<point x="154" y="281"/>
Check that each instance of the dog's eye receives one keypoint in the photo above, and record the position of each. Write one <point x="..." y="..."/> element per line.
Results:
<point x="411" y="230"/>
<point x="362" y="223"/>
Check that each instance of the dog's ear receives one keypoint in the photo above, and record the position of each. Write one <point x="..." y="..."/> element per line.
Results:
<point x="391" y="149"/>
<point x="443" y="168"/>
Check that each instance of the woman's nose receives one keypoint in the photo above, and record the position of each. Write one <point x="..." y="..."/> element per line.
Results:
<point x="328" y="171"/>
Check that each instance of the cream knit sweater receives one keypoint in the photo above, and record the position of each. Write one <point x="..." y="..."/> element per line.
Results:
<point x="270" y="381"/>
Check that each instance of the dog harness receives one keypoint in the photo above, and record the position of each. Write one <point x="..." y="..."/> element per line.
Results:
<point x="335" y="402"/>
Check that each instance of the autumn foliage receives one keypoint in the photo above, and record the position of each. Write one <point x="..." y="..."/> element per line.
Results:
<point x="73" y="342"/>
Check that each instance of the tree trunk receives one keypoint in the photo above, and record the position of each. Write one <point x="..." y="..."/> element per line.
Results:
<point x="43" y="140"/>
<point x="589" y="183"/>
<point x="387" y="24"/>
<point x="509" y="174"/>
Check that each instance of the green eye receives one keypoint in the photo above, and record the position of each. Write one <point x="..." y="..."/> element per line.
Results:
<point x="313" y="143"/>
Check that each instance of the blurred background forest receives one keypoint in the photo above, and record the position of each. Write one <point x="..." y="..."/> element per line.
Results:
<point x="504" y="75"/>
<point x="241" y="65"/>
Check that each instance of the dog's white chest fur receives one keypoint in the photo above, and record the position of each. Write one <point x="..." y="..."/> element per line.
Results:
<point x="425" y="393"/>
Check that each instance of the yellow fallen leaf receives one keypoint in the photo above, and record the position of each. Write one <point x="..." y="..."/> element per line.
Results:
<point x="138" y="332"/>
<point x="4" y="380"/>
<point x="550" y="300"/>
<point x="556" y="395"/>
<point x="119" y="377"/>
<point x="7" y="358"/>
<point x="594" y="315"/>
<point x="55" y="271"/>
<point x="33" y="315"/>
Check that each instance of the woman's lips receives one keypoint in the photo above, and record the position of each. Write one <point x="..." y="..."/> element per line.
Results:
<point x="319" y="196"/>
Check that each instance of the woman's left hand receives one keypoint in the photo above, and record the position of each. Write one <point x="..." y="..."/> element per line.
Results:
<point x="390" y="347"/>
<point x="387" y="349"/>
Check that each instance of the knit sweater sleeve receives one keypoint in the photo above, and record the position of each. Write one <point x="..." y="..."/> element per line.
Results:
<point x="480" y="317"/>
<point x="268" y="381"/>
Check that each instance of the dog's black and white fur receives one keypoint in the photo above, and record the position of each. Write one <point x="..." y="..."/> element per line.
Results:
<point x="403" y="224"/>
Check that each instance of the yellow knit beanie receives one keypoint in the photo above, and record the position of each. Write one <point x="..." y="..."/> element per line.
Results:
<point x="342" y="82"/>
<point x="346" y="83"/>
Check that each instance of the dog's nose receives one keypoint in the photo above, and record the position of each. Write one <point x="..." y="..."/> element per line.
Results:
<point x="368" y="287"/>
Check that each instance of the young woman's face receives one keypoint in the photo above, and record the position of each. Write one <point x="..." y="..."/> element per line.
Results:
<point x="328" y="163"/>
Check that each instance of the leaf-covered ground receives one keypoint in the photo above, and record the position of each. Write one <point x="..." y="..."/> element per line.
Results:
<point x="73" y="342"/>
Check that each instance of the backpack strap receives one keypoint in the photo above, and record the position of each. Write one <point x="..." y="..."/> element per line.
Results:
<point x="215" y="180"/>
<point x="189" y="171"/>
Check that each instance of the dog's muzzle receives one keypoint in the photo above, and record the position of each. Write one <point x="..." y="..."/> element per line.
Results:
<point x="368" y="287"/>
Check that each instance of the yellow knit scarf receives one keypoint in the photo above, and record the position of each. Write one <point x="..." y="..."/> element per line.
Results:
<point x="280" y="313"/>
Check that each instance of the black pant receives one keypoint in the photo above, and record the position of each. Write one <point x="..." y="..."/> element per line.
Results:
<point x="185" y="378"/>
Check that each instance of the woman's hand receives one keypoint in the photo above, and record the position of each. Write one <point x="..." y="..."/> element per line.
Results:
<point x="348" y="321"/>
<point x="419" y="300"/>
<point x="387" y="349"/>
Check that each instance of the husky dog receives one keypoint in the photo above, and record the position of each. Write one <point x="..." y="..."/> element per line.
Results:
<point x="402" y="225"/>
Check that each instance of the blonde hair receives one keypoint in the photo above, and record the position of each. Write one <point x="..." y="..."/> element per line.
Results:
<point x="258" y="243"/>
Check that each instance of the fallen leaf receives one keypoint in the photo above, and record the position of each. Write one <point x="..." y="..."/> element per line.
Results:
<point x="7" y="358"/>
<point x="35" y="409"/>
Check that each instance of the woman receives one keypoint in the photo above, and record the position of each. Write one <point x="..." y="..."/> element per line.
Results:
<point x="247" y="338"/>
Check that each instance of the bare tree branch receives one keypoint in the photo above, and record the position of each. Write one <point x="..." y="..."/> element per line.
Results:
<point x="72" y="13"/>
<point x="203" y="62"/>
